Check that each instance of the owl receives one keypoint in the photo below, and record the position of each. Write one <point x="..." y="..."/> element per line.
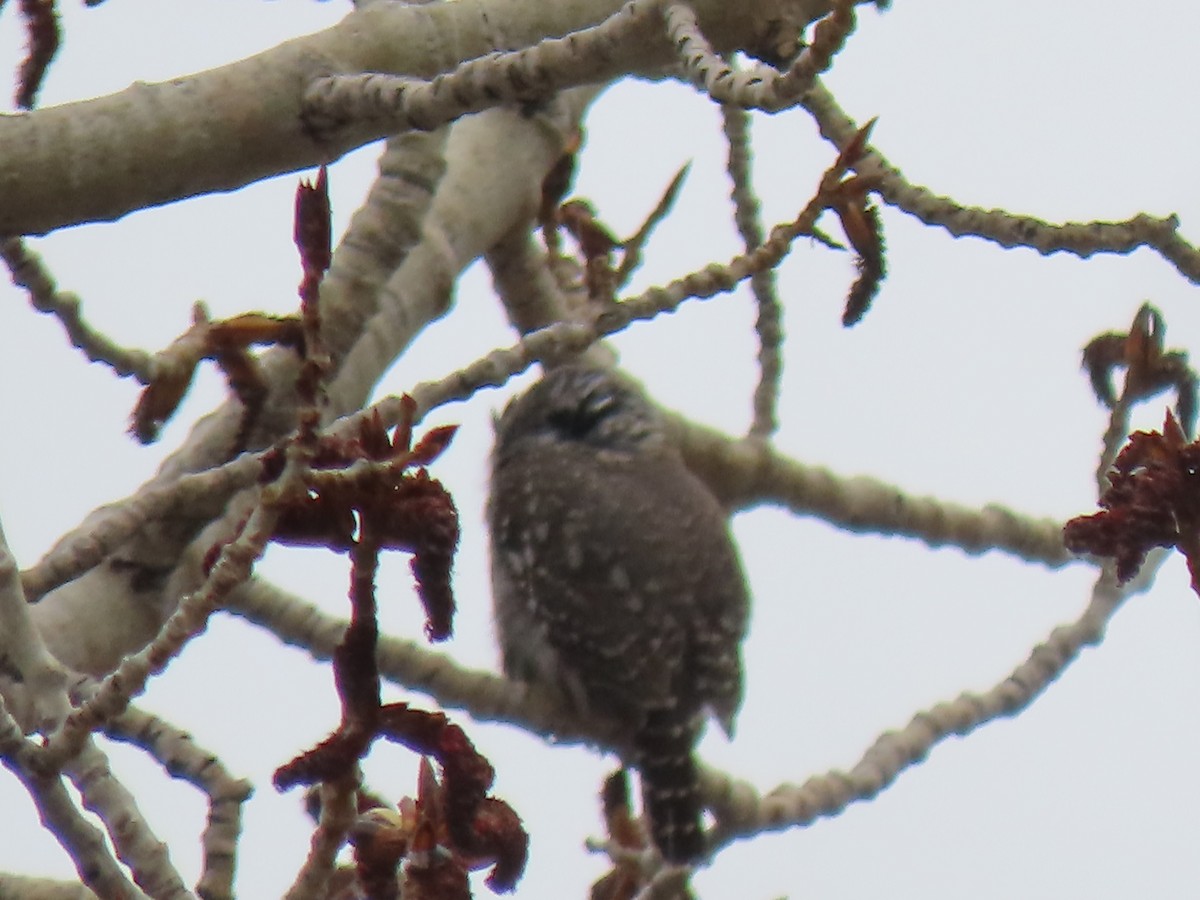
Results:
<point x="616" y="582"/>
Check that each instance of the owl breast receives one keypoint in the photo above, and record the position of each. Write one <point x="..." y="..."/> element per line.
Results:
<point x="616" y="581"/>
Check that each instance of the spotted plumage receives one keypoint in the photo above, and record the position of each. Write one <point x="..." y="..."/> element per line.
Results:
<point x="615" y="580"/>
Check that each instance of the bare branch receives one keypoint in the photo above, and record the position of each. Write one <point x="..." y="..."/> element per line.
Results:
<point x="136" y="845"/>
<point x="32" y="682"/>
<point x="29" y="272"/>
<point x="179" y="755"/>
<point x="1004" y="228"/>
<point x="219" y="130"/>
<point x="400" y="103"/>
<point x="760" y="87"/>
<point x="735" y="123"/>
<point x="746" y="474"/>
<point x="742" y="812"/>
<point x="59" y="814"/>
<point x="337" y="815"/>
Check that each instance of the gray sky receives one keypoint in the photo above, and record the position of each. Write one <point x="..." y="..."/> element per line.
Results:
<point x="962" y="382"/>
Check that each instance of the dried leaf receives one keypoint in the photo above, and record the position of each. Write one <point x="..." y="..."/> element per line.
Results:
<point x="1149" y="367"/>
<point x="43" y="37"/>
<point x="632" y="247"/>
<point x="1153" y="500"/>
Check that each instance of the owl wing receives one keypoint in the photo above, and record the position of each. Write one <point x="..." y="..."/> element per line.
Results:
<point x="628" y="577"/>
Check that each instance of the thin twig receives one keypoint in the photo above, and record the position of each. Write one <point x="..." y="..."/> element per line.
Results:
<point x="742" y="812"/>
<point x="337" y="815"/>
<point x="761" y="87"/>
<point x="83" y="841"/>
<point x="747" y="215"/>
<point x="181" y="757"/>
<point x="999" y="226"/>
<point x="135" y="843"/>
<point x="29" y="272"/>
<point x="117" y="691"/>
<point x="631" y="248"/>
<point x="534" y="73"/>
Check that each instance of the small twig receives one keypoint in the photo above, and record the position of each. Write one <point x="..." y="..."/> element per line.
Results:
<point x="1115" y="435"/>
<point x="227" y="343"/>
<point x="118" y="689"/>
<point x="999" y="226"/>
<point x="747" y="215"/>
<point x="533" y="73"/>
<point x="758" y="88"/>
<point x="44" y="35"/>
<point x="83" y="841"/>
<point x="742" y="812"/>
<point x="29" y="272"/>
<point x="181" y="757"/>
<point x="338" y="809"/>
<point x="1150" y="368"/>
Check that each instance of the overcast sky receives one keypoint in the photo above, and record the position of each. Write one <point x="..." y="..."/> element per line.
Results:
<point x="962" y="382"/>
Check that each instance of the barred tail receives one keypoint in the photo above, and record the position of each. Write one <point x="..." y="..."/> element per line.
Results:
<point x="670" y="785"/>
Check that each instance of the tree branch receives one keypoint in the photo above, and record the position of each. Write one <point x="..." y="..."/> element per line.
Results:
<point x="999" y="226"/>
<point x="29" y="272"/>
<point x="179" y="755"/>
<point x="32" y="682"/>
<point x="742" y="812"/>
<point x="136" y="845"/>
<point x="219" y="130"/>
<point x="59" y="814"/>
<point x="747" y="215"/>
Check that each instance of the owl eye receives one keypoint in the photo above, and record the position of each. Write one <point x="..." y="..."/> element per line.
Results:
<point x="577" y="422"/>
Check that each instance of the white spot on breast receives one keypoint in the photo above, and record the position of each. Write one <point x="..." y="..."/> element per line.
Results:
<point x="573" y="551"/>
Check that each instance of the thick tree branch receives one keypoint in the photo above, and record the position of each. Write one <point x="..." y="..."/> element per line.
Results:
<point x="219" y="130"/>
<point x="32" y="682"/>
<point x="480" y="197"/>
<point x="26" y="887"/>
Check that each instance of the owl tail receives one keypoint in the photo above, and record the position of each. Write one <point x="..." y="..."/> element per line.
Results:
<point x="671" y="784"/>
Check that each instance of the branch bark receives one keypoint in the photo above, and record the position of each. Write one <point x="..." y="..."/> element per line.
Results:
<point x="98" y="160"/>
